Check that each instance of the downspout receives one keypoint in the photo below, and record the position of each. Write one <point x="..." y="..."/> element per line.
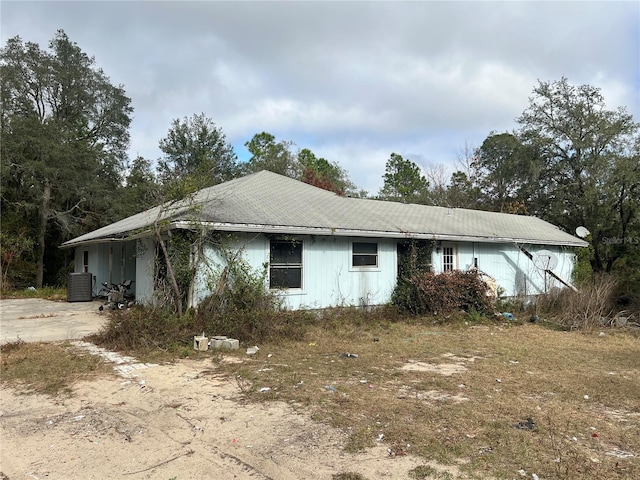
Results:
<point x="110" y="264"/>
<point x="122" y="263"/>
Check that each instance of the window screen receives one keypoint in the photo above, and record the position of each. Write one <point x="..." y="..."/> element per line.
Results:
<point x="364" y="254"/>
<point x="285" y="264"/>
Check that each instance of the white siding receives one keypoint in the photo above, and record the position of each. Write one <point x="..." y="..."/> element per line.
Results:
<point x="514" y="272"/>
<point x="145" y="264"/>
<point x="328" y="279"/>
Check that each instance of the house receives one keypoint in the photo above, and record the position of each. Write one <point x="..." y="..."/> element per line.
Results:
<point x="322" y="250"/>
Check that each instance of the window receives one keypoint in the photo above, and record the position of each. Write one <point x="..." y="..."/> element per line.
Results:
<point x="85" y="261"/>
<point x="448" y="259"/>
<point x="285" y="264"/>
<point x="364" y="254"/>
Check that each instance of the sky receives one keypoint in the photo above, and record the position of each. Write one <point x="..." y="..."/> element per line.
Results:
<point x="351" y="81"/>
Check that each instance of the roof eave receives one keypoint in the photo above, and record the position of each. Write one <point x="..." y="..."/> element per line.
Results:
<point x="338" y="232"/>
<point x="121" y="237"/>
<point x="344" y="232"/>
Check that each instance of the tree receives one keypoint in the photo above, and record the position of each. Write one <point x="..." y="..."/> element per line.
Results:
<point x="267" y="154"/>
<point x="141" y="190"/>
<point x="64" y="130"/>
<point x="195" y="147"/>
<point x="462" y="192"/>
<point x="585" y="171"/>
<point x="403" y="181"/>
<point x="324" y="174"/>
<point x="197" y="155"/>
<point x="504" y="168"/>
<point x="279" y="157"/>
<point x="12" y="248"/>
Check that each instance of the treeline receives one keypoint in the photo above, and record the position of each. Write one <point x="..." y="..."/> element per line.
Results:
<point x="65" y="169"/>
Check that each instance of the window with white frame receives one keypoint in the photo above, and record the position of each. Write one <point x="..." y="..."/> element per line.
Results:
<point x="85" y="261"/>
<point x="448" y="258"/>
<point x="285" y="264"/>
<point x="364" y="254"/>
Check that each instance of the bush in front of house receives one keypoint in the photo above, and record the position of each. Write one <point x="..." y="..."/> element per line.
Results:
<point x="595" y="305"/>
<point x="241" y="306"/>
<point x="428" y="292"/>
<point x="255" y="326"/>
<point x="143" y="327"/>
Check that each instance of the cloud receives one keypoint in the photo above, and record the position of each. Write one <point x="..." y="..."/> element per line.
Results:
<point x="352" y="81"/>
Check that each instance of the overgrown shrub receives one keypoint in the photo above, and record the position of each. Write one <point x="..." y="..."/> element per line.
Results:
<point x="146" y="328"/>
<point x="256" y="326"/>
<point x="140" y="328"/>
<point x="444" y="292"/>
<point x="241" y="306"/>
<point x="588" y="308"/>
<point x="238" y="288"/>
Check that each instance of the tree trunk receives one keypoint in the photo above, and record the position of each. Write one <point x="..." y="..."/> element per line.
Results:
<point x="42" y="231"/>
<point x="174" y="283"/>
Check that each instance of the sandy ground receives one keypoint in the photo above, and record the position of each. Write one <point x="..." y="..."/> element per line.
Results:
<point x="182" y="421"/>
<point x="36" y="319"/>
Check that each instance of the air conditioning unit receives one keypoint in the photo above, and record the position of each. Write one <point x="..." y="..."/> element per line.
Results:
<point x="80" y="287"/>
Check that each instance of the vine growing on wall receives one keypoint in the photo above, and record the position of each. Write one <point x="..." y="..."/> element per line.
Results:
<point x="235" y="285"/>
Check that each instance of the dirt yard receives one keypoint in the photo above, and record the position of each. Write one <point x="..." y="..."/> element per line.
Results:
<point x="179" y="421"/>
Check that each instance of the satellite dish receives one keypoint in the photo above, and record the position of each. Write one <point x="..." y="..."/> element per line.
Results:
<point x="545" y="260"/>
<point x="582" y="232"/>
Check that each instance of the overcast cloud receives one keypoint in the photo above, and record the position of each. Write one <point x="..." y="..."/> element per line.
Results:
<point x="352" y="81"/>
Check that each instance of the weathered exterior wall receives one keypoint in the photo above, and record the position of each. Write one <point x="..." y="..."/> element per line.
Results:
<point x="328" y="279"/>
<point x="514" y="272"/>
<point x="123" y="263"/>
<point x="144" y="270"/>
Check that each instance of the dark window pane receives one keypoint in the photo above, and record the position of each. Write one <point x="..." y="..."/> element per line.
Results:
<point x="285" y="278"/>
<point x="365" y="260"/>
<point x="371" y="248"/>
<point x="365" y="254"/>
<point x="283" y="252"/>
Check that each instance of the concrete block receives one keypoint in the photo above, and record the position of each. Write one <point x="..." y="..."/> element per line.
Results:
<point x="231" y="344"/>
<point x="216" y="342"/>
<point x="200" y="343"/>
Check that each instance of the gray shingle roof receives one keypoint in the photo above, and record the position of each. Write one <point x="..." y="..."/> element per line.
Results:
<point x="268" y="202"/>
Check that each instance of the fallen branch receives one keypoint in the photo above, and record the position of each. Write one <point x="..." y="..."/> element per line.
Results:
<point x="186" y="454"/>
<point x="189" y="422"/>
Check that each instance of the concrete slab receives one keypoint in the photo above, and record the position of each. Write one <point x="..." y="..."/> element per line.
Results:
<point x="38" y="320"/>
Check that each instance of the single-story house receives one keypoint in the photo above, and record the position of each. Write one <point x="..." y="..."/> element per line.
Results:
<point x="321" y="249"/>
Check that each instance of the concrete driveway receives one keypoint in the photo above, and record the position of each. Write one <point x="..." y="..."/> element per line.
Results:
<point x="38" y="320"/>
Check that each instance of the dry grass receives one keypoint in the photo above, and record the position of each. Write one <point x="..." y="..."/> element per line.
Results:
<point x="49" y="293"/>
<point x="580" y="389"/>
<point x="592" y="307"/>
<point x="48" y="368"/>
<point x="463" y="403"/>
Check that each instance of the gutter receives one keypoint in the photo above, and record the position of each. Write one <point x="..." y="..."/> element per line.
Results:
<point x="344" y="232"/>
